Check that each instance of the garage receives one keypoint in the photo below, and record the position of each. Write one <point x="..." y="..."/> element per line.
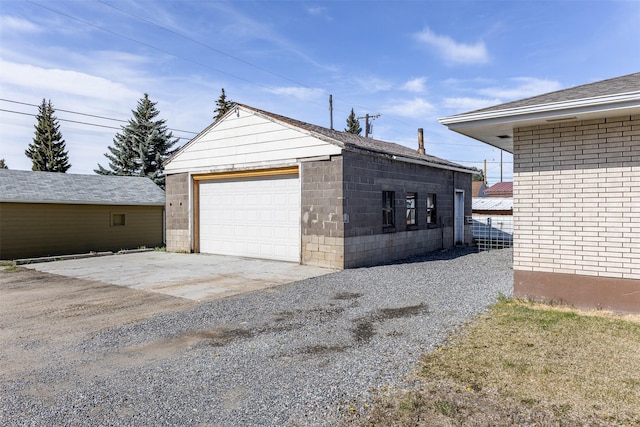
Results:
<point x="260" y="185"/>
<point x="245" y="215"/>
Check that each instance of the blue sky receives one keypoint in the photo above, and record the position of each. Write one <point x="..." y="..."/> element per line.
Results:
<point x="412" y="62"/>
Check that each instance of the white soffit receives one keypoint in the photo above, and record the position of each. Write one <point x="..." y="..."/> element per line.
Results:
<point x="495" y="127"/>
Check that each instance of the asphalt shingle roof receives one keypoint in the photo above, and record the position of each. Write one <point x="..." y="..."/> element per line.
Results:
<point x="617" y="85"/>
<point x="54" y="187"/>
<point x="355" y="142"/>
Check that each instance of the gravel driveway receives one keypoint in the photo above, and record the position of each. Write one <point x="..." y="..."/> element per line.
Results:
<point x="293" y="355"/>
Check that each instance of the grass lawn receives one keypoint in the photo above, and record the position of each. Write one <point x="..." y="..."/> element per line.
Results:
<point x="523" y="364"/>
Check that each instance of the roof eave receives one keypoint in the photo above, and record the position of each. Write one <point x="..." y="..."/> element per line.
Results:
<point x="606" y="102"/>
<point x="83" y="202"/>
<point x="495" y="127"/>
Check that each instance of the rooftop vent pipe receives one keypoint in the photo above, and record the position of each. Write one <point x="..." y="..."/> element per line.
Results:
<point x="420" y="141"/>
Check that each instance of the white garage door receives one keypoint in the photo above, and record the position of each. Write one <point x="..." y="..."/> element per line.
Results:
<point x="252" y="217"/>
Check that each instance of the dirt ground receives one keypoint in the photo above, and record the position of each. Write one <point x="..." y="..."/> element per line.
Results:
<point x="42" y="313"/>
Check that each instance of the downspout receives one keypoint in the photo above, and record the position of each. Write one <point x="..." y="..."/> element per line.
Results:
<point x="453" y="222"/>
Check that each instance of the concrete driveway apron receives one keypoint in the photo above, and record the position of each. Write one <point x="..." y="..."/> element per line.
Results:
<point x="198" y="277"/>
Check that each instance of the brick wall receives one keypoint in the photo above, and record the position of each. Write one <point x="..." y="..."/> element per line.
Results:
<point x="177" y="213"/>
<point x="577" y="198"/>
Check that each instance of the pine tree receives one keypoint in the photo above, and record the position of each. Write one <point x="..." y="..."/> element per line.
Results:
<point x="353" y="124"/>
<point x="142" y="145"/>
<point x="48" y="150"/>
<point x="3" y="164"/>
<point x="222" y="106"/>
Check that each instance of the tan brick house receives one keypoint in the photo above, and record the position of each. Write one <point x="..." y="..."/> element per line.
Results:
<point x="261" y="185"/>
<point x="576" y="190"/>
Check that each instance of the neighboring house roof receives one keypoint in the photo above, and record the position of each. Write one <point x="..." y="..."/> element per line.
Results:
<point x="501" y="189"/>
<point x="494" y="125"/>
<point x="492" y="204"/>
<point x="54" y="187"/>
<point x="345" y="140"/>
<point x="477" y="189"/>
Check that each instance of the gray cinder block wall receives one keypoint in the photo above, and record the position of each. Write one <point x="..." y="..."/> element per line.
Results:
<point x="177" y="213"/>
<point x="322" y="225"/>
<point x="342" y="210"/>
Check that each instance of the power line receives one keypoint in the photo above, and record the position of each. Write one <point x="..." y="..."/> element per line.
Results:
<point x="148" y="45"/>
<point x="62" y="120"/>
<point x="196" y="62"/>
<point x="228" y="54"/>
<point x="83" y="114"/>
<point x="70" y="121"/>
<point x="202" y="44"/>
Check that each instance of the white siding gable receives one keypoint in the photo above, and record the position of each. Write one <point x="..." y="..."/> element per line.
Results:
<point x="246" y="141"/>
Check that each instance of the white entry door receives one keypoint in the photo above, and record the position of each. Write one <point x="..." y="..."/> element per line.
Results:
<point x="458" y="219"/>
<point x="251" y="217"/>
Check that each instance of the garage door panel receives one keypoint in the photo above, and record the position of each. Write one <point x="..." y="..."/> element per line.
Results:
<point x="251" y="217"/>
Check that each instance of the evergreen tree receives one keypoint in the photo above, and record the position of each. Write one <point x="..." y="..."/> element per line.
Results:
<point x="353" y="124"/>
<point x="222" y="106"/>
<point x="48" y="151"/>
<point x="142" y="145"/>
<point x="3" y="164"/>
<point x="478" y="175"/>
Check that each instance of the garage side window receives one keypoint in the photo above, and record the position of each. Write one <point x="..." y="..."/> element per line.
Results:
<point x="388" y="208"/>
<point x="431" y="210"/>
<point x="118" y="219"/>
<point x="411" y="208"/>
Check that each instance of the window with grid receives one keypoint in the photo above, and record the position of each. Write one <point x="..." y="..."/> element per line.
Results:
<point x="431" y="209"/>
<point x="412" y="201"/>
<point x="388" y="208"/>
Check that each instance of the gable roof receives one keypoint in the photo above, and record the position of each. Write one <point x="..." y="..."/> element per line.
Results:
<point x="494" y="125"/>
<point x="54" y="187"/>
<point x="500" y="189"/>
<point x="344" y="140"/>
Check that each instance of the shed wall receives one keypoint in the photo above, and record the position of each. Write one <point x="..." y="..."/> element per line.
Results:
<point x="342" y="210"/>
<point x="322" y="226"/>
<point x="367" y="242"/>
<point x="33" y="230"/>
<point x="177" y="208"/>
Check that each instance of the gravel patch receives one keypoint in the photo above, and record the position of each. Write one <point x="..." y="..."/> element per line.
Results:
<point x="294" y="355"/>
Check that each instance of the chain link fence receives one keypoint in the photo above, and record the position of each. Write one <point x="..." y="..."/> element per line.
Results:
<point x="492" y="232"/>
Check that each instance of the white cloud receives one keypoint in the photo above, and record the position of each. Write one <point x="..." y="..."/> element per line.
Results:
<point x="373" y="84"/>
<point x="316" y="10"/>
<point x="66" y="81"/>
<point x="18" y="25"/>
<point x="416" y="108"/>
<point x="415" y="85"/>
<point x="524" y="87"/>
<point x="463" y="104"/>
<point x="452" y="51"/>
<point x="302" y="93"/>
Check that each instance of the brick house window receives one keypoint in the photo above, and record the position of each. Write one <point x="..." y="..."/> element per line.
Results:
<point x="431" y="210"/>
<point x="412" y="200"/>
<point x="388" y="208"/>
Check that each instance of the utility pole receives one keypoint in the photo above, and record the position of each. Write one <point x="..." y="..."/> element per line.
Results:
<point x="485" y="171"/>
<point x="368" y="117"/>
<point x="331" y="111"/>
